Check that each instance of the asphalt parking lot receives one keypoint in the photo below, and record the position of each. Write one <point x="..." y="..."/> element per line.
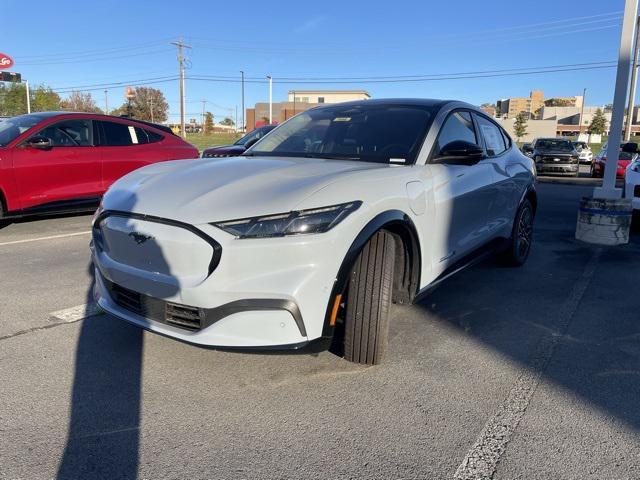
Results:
<point x="529" y="373"/>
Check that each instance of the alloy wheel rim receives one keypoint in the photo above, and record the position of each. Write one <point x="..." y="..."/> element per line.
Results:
<point x="524" y="232"/>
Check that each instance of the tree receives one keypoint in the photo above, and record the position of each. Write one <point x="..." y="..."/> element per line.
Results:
<point x="520" y="125"/>
<point x="227" y="122"/>
<point x="43" y="99"/>
<point x="608" y="107"/>
<point x="208" y="122"/>
<point x="559" y="102"/>
<point x="13" y="99"/>
<point x="149" y="104"/>
<point x="598" y="123"/>
<point x="80" y="102"/>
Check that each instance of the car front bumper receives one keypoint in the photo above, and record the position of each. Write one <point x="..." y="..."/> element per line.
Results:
<point x="557" y="168"/>
<point x="263" y="292"/>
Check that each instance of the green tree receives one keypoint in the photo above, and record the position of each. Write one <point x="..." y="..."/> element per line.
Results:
<point x="13" y="99"/>
<point x="149" y="104"/>
<point x="559" y="102"/>
<point x="520" y="125"/>
<point x="598" y="123"/>
<point x="80" y="102"/>
<point x="43" y="99"/>
<point x="227" y="122"/>
<point x="208" y="122"/>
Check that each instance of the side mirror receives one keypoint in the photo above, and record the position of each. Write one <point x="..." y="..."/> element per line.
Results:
<point x="460" y="151"/>
<point x="40" y="142"/>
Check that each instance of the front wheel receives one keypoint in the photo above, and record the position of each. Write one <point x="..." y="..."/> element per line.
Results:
<point x="369" y="293"/>
<point x="522" y="235"/>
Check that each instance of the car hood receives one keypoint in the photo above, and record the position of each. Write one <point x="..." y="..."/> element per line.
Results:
<point x="557" y="153"/>
<point x="207" y="190"/>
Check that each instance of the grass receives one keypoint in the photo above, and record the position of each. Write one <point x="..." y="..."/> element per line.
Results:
<point x="202" y="141"/>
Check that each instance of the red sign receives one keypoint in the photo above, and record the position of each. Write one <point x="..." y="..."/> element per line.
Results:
<point x="5" y="61"/>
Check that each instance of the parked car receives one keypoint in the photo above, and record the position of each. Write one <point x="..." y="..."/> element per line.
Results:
<point x="316" y="229"/>
<point x="239" y="147"/>
<point x="585" y="155"/>
<point x="632" y="185"/>
<point x="556" y="156"/>
<point x="527" y="149"/>
<point x="626" y="156"/>
<point x="59" y="161"/>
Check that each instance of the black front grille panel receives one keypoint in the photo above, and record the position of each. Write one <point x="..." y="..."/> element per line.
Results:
<point x="181" y="316"/>
<point x="636" y="191"/>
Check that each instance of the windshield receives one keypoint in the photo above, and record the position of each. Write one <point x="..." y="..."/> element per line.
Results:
<point x="12" y="128"/>
<point x="259" y="133"/>
<point x="552" y="144"/>
<point x="371" y="133"/>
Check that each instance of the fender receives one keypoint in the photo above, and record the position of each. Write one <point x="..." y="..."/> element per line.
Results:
<point x="403" y="228"/>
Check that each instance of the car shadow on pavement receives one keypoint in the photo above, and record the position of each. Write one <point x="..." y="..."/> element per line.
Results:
<point x="104" y="424"/>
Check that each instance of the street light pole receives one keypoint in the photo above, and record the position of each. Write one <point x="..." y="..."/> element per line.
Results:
<point x="608" y="189"/>
<point x="26" y="83"/>
<point x="242" y="128"/>
<point x="270" y="100"/>
<point x="106" y="103"/>
<point x="632" y="88"/>
<point x="181" y="45"/>
<point x="584" y="96"/>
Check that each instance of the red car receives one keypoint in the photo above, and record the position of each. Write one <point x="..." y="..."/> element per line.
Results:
<point x="627" y="155"/>
<point x="58" y="161"/>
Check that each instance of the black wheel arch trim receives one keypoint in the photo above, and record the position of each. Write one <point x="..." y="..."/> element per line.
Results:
<point x="395" y="221"/>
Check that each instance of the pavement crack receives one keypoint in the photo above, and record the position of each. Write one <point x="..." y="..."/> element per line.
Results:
<point x="481" y="461"/>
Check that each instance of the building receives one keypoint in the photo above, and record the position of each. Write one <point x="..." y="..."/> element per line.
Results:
<point x="327" y="96"/>
<point x="298" y="101"/>
<point x="511" y="107"/>
<point x="488" y="109"/>
<point x="532" y="105"/>
<point x="535" y="128"/>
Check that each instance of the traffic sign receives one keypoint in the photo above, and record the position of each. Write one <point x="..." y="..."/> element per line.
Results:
<point x="10" y="77"/>
<point x="5" y="61"/>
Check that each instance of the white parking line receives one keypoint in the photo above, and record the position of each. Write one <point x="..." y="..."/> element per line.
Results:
<point x="51" y="237"/>
<point x="481" y="461"/>
<point x="75" y="314"/>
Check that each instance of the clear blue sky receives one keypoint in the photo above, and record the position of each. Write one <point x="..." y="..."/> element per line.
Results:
<point x="71" y="43"/>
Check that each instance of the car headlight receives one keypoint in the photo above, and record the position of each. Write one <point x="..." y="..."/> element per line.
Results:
<point x="315" y="220"/>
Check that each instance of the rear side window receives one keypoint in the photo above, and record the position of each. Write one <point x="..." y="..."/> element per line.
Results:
<point x="69" y="133"/>
<point x="153" y="136"/>
<point x="123" y="135"/>
<point x="458" y="126"/>
<point x="493" y="139"/>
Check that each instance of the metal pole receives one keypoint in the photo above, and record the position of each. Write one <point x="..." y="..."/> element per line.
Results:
<point x="270" y="100"/>
<point x="236" y="122"/>
<point x="106" y="103"/>
<point x="608" y="189"/>
<point x="180" y="46"/>
<point x="632" y="91"/>
<point x="584" y="96"/>
<point x="151" y="107"/>
<point x="242" y="127"/>
<point x="204" y="127"/>
<point x="26" y="83"/>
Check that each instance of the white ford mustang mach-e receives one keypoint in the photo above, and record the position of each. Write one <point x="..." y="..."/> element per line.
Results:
<point x="316" y="229"/>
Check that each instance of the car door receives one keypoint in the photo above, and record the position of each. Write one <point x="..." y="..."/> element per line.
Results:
<point x="505" y="191"/>
<point x="461" y="192"/>
<point x="67" y="170"/>
<point x="124" y="148"/>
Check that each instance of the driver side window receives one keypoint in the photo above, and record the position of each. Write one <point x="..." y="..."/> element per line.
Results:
<point x="458" y="126"/>
<point x="69" y="133"/>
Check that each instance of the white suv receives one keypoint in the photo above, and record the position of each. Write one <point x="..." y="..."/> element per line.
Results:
<point x="313" y="232"/>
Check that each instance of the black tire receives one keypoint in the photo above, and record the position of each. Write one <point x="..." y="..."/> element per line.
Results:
<point x="521" y="236"/>
<point x="369" y="293"/>
<point x="3" y="221"/>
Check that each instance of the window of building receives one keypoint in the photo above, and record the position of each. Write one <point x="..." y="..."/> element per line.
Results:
<point x="320" y="99"/>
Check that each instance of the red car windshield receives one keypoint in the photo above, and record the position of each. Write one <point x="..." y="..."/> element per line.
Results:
<point x="12" y="128"/>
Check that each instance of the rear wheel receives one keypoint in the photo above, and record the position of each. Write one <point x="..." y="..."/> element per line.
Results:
<point x="3" y="220"/>
<point x="521" y="236"/>
<point x="369" y="292"/>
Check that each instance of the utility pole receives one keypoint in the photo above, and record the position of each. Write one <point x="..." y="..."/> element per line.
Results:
<point x="180" y="46"/>
<point x="106" y="102"/>
<point x="242" y="107"/>
<point x="151" y="107"/>
<point x="26" y="84"/>
<point x="608" y="189"/>
<point x="270" y="100"/>
<point x="204" y="128"/>
<point x="236" y="120"/>
<point x="632" y="88"/>
<point x="584" y="96"/>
